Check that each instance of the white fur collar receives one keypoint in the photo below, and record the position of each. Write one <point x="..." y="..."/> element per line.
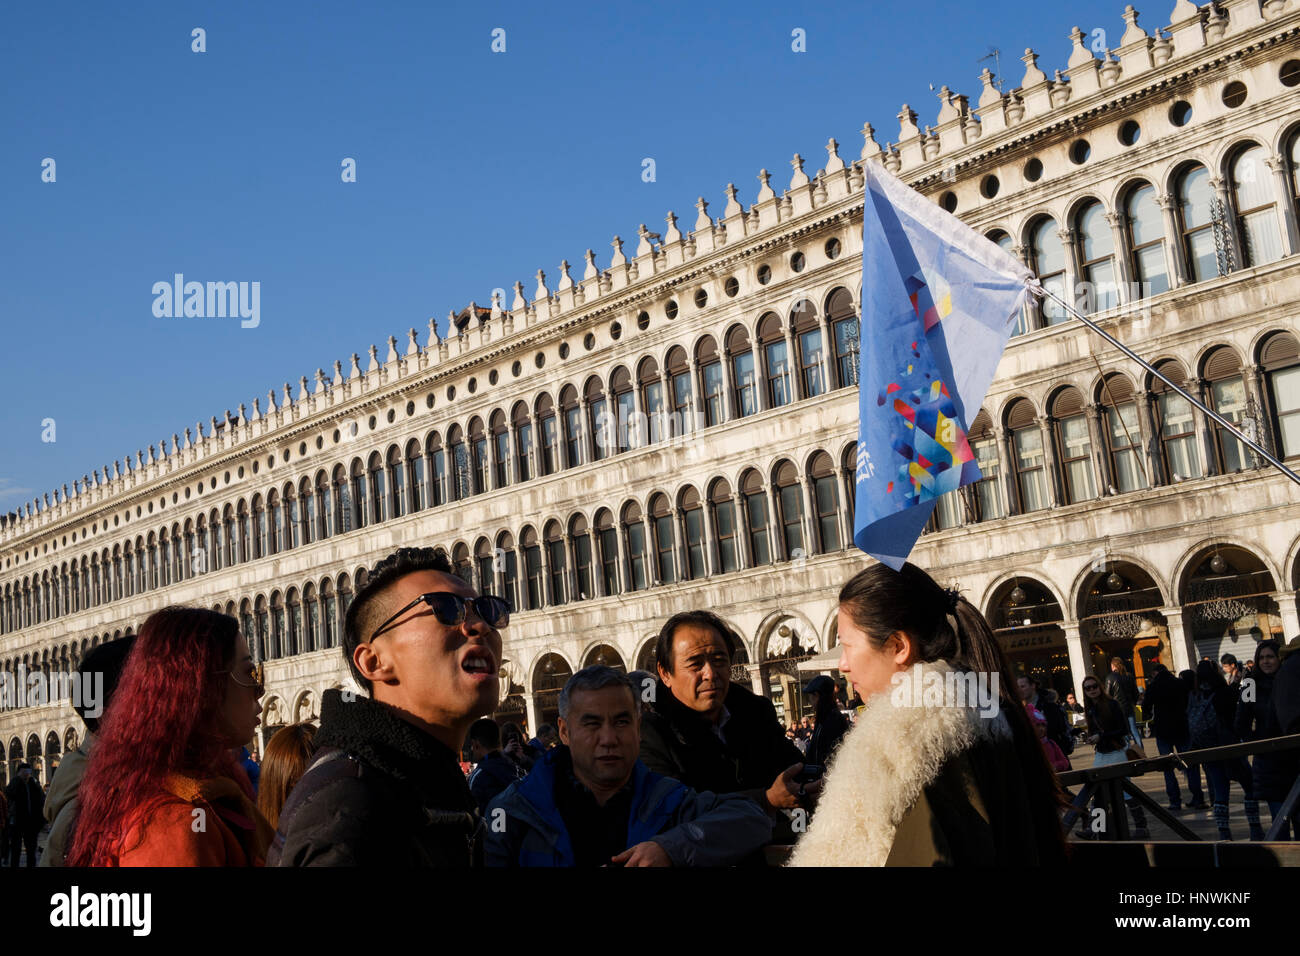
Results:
<point x="881" y="767"/>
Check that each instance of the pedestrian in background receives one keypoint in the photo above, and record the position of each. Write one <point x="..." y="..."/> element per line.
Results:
<point x="26" y="802"/>
<point x="288" y="755"/>
<point x="1211" y="715"/>
<point x="1166" y="704"/>
<point x="1123" y="689"/>
<point x="1272" y="774"/>
<point x="1108" y="733"/>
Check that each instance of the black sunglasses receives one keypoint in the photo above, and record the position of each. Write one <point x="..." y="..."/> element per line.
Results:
<point x="449" y="609"/>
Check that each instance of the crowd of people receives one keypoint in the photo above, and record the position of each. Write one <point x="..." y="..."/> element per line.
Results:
<point x="681" y="767"/>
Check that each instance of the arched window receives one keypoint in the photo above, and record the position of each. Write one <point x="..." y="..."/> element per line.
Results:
<point x="724" y="522"/>
<point x="437" y="469"/>
<point x="261" y="630"/>
<point x="461" y="565"/>
<point x="573" y="435"/>
<point x="608" y="536"/>
<point x="324" y="501"/>
<point x="620" y="386"/>
<point x="345" y="597"/>
<point x="776" y="361"/>
<point x="755" y="496"/>
<point x="532" y="567"/>
<point x="826" y="499"/>
<point x="652" y="429"/>
<point x="598" y="423"/>
<point x="1176" y="425"/>
<point x="1280" y="359"/>
<point x="808" y="341"/>
<point x="1258" y="229"/>
<point x="1196" y="202"/>
<point x="1074" y="444"/>
<point x="1146" y="238"/>
<point x="679" y="373"/>
<point x="692" y="511"/>
<point x="555" y="557"/>
<point x="1293" y="168"/>
<point x="1048" y="261"/>
<point x="1123" y="436"/>
<point x="1227" y="396"/>
<point x="634" y="535"/>
<point x="548" y="435"/>
<point x="485" y="567"/>
<point x="461" y="479"/>
<point x="500" y="449"/>
<point x="742" y="367"/>
<point x="661" y="516"/>
<point x="277" y="647"/>
<point x="1096" y="252"/>
<point x="1027" y="456"/>
<point x="581" y="539"/>
<point x="293" y="637"/>
<point x="509" y="569"/>
<point x="846" y="328"/>
<point x="377" y="488"/>
<point x="790" y="503"/>
<point x="397" y="500"/>
<point x="679" y="417"/>
<point x="153" y="563"/>
<point x="523" y="428"/>
<point x="261" y="533"/>
<point x="1007" y="245"/>
<point x="360" y="499"/>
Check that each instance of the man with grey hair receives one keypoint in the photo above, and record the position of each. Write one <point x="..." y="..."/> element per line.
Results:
<point x="591" y="802"/>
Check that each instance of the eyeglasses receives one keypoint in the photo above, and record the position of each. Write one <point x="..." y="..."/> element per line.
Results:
<point x="1088" y="687"/>
<point x="253" y="681"/>
<point x="449" y="609"/>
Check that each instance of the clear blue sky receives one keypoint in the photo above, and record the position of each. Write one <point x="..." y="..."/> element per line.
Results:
<point x="474" y="170"/>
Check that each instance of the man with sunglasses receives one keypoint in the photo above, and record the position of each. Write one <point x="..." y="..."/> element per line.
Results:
<point x="386" y="788"/>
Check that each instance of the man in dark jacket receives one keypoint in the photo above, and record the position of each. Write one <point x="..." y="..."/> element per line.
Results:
<point x="713" y="735"/>
<point x="386" y="788"/>
<point x="591" y="802"/>
<point x="26" y="814"/>
<point x="493" y="770"/>
<point x="1166" y="704"/>
<point x="830" y="725"/>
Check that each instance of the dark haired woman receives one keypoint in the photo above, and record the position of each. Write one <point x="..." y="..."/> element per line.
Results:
<point x="514" y="744"/>
<point x="1108" y="732"/>
<point x="288" y="754"/>
<point x="1273" y="774"/>
<point x="1211" y="711"/>
<point x="166" y="755"/>
<point x="942" y="766"/>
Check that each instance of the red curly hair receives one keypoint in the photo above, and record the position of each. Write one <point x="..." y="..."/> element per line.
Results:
<point x="162" y="720"/>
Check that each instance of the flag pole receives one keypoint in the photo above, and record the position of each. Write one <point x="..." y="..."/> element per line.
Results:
<point x="1175" y="386"/>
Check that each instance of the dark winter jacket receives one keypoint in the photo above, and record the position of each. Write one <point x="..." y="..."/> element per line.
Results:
<point x="677" y="742"/>
<point x="827" y="733"/>
<point x="1123" y="689"/>
<point x="493" y="774"/>
<point x="694" y="829"/>
<point x="386" y="794"/>
<point x="1286" y="694"/>
<point x="1275" y="772"/>
<point x="26" y="805"/>
<point x="1210" y="718"/>
<point x="1106" y="719"/>
<point x="1166" y="706"/>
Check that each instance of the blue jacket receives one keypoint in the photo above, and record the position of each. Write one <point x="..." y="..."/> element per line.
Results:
<point x="524" y="827"/>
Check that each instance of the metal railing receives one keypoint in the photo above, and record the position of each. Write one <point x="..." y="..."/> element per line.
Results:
<point x="1110" y="783"/>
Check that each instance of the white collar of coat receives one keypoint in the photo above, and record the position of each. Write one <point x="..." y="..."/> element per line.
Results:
<point x="895" y="750"/>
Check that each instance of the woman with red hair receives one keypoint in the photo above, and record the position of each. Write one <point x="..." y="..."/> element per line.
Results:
<point x="164" y="786"/>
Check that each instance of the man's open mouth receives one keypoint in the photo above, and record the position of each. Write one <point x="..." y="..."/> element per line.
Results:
<point x="478" y="662"/>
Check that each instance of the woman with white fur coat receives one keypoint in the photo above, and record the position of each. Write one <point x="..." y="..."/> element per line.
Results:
<point x="943" y="767"/>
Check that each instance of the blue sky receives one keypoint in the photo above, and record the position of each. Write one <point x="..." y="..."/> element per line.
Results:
<point x="474" y="170"/>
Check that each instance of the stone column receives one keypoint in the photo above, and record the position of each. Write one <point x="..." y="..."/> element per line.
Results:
<point x="828" y="354"/>
<point x="846" y="523"/>
<point x="1286" y="608"/>
<point x="1180" y="645"/>
<point x="712" y="558"/>
<point x="729" y="406"/>
<point x="1067" y="237"/>
<point x="1051" y="473"/>
<point x="1222" y="193"/>
<point x="681" y="562"/>
<point x="695" y="411"/>
<point x="530" y="709"/>
<point x="1149" y="452"/>
<point x="597" y="564"/>
<point x="599" y="434"/>
<point x="1282" y="190"/>
<point x="794" y="386"/>
<point x="1100" y="455"/>
<point x="665" y="408"/>
<point x="811" y="526"/>
<point x="1123" y="273"/>
<point x="1028" y="311"/>
<point x="1010" y="495"/>
<point x="760" y="376"/>
<point x="1259" y="402"/>
<point x="1174" y="258"/>
<point x="1205" y="428"/>
<point x="744" y="553"/>
<point x="775" y="527"/>
<point x="1080" y="659"/>
<point x="756" y="679"/>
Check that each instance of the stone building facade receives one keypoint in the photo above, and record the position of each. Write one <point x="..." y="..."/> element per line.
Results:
<point x="677" y="428"/>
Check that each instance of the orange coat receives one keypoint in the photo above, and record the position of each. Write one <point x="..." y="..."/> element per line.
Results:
<point x="196" y="822"/>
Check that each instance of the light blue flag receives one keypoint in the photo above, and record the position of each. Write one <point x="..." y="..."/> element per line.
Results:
<point x="939" y="302"/>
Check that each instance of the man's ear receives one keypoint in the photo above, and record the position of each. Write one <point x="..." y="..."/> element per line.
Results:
<point x="564" y="731"/>
<point x="664" y="676"/>
<point x="372" y="664"/>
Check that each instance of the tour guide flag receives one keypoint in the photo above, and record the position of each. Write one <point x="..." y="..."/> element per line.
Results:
<point x="938" y="304"/>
